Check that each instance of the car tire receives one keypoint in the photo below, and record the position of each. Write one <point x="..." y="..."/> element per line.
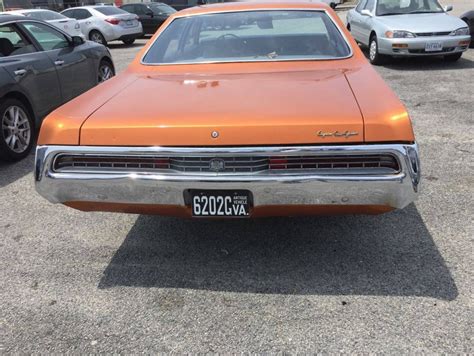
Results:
<point x="375" y="57"/>
<point x="105" y="71"/>
<point x="97" y="37"/>
<point x="453" y="57"/>
<point x="466" y="20"/>
<point x="129" y="42"/>
<point x="16" y="130"/>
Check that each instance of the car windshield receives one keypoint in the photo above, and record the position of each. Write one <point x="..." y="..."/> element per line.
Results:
<point x="110" y="10"/>
<point x="44" y="15"/>
<point x="403" y="7"/>
<point x="249" y="36"/>
<point x="161" y="9"/>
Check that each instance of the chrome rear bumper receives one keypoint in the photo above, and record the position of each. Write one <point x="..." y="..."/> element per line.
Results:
<point x="296" y="188"/>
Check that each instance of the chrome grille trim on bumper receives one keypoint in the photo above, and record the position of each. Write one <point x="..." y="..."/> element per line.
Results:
<point x="152" y="164"/>
<point x="270" y="187"/>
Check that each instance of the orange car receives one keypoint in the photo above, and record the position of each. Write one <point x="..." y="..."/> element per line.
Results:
<point x="235" y="110"/>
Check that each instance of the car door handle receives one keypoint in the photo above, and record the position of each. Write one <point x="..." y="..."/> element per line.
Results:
<point x="20" y="72"/>
<point x="59" y="62"/>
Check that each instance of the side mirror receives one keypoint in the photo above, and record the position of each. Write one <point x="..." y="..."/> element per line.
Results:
<point x="366" y="12"/>
<point x="149" y="13"/>
<point x="77" y="41"/>
<point x="448" y="8"/>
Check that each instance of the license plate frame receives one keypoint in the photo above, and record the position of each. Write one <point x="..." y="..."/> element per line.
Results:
<point x="219" y="203"/>
<point x="434" y="46"/>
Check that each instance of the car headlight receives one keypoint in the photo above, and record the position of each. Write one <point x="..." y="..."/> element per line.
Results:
<point x="399" y="34"/>
<point x="460" y="32"/>
<point x="77" y="27"/>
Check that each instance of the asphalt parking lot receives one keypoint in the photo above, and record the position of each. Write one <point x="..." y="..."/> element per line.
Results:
<point x="399" y="282"/>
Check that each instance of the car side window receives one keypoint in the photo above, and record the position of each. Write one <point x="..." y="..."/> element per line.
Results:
<point x="140" y="9"/>
<point x="361" y="5"/>
<point x="69" y="13"/>
<point x="47" y="37"/>
<point x="369" y="5"/>
<point x="129" y="8"/>
<point x="13" y="43"/>
<point x="82" y="14"/>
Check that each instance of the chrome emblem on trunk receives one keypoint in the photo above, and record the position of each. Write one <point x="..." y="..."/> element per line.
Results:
<point x="217" y="165"/>
<point x="345" y="134"/>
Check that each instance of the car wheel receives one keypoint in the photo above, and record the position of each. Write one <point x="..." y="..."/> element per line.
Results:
<point x="129" y="42"/>
<point x="471" y="45"/>
<point x="106" y="71"/>
<point x="96" y="36"/>
<point x="453" y="57"/>
<point x="374" y="56"/>
<point x="16" y="130"/>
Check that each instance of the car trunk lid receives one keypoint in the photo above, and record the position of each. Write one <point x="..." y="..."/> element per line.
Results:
<point x="305" y="107"/>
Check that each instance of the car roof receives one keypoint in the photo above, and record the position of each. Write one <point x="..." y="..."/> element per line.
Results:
<point x="11" y="18"/>
<point x="32" y="10"/>
<point x="253" y="5"/>
<point x="145" y="3"/>
<point x="88" y="7"/>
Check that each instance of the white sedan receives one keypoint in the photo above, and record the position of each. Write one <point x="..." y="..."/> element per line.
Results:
<point x="102" y="24"/>
<point x="68" y="25"/>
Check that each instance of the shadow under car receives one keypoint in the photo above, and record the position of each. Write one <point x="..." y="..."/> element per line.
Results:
<point x="392" y="254"/>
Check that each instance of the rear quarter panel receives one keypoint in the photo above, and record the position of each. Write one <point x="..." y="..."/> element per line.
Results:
<point x="385" y="117"/>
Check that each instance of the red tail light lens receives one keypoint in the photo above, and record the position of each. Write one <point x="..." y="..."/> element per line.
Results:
<point x="278" y="163"/>
<point x="162" y="163"/>
<point x="113" y="21"/>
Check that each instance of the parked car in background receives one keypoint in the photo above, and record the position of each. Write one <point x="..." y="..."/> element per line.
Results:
<point x="468" y="17"/>
<point x="41" y="68"/>
<point x="151" y="14"/>
<point x="68" y="25"/>
<point x="103" y="24"/>
<point x="184" y="4"/>
<point x="281" y="115"/>
<point x="407" y="28"/>
<point x="332" y="3"/>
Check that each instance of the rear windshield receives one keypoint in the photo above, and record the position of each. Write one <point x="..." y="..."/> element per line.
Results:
<point x="110" y="10"/>
<point x="44" y="15"/>
<point x="270" y="35"/>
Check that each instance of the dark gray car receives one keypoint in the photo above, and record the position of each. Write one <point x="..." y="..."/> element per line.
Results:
<point x="468" y="17"/>
<point x="40" y="69"/>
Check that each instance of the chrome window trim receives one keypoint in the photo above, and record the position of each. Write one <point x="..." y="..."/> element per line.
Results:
<point x="351" y="51"/>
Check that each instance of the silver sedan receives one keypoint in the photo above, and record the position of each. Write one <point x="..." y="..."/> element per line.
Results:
<point x="407" y="28"/>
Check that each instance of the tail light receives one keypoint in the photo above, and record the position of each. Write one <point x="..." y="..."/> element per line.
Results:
<point x="278" y="163"/>
<point x="113" y="21"/>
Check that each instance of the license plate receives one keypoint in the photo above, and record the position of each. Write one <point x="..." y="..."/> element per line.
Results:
<point x="219" y="203"/>
<point x="129" y="23"/>
<point x="433" y="46"/>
